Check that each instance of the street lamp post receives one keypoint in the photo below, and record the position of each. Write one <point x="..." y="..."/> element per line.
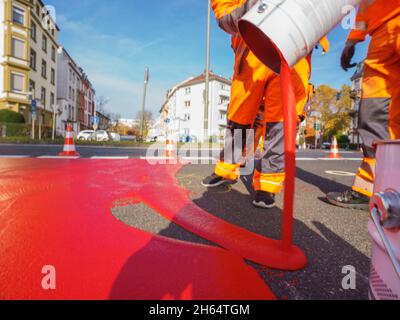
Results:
<point x="53" y="134"/>
<point x="207" y="70"/>
<point x="146" y="81"/>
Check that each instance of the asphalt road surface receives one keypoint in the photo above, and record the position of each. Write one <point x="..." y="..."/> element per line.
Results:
<point x="331" y="237"/>
<point x="9" y="150"/>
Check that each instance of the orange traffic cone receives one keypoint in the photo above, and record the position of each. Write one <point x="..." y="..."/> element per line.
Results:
<point x="334" y="149"/>
<point x="170" y="148"/>
<point x="69" y="145"/>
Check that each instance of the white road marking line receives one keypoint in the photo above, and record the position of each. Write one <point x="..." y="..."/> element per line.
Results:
<point x="157" y="158"/>
<point x="13" y="157"/>
<point x="306" y="159"/>
<point x="341" y="173"/>
<point x="109" y="158"/>
<point x="341" y="159"/>
<point x="58" y="157"/>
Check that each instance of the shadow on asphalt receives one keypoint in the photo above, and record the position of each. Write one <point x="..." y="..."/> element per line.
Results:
<point x="325" y="185"/>
<point x="327" y="252"/>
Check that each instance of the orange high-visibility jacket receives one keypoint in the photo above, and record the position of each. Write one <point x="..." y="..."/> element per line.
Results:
<point x="371" y="15"/>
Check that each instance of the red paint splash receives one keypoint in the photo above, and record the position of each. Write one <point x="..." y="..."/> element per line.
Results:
<point x="56" y="212"/>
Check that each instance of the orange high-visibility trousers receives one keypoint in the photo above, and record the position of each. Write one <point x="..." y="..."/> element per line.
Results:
<point x="252" y="83"/>
<point x="379" y="114"/>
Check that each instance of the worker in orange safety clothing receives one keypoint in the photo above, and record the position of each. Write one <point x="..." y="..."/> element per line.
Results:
<point x="379" y="113"/>
<point x="252" y="83"/>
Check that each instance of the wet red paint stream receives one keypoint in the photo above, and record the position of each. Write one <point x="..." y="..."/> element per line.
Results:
<point x="290" y="125"/>
<point x="56" y="212"/>
<point x="277" y="254"/>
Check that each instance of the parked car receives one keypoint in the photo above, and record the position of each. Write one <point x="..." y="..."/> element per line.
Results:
<point x="85" y="135"/>
<point x="326" y="146"/>
<point x="115" y="136"/>
<point x="151" y="139"/>
<point x="101" y="136"/>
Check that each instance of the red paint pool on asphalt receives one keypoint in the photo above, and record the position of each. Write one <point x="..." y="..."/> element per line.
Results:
<point x="57" y="212"/>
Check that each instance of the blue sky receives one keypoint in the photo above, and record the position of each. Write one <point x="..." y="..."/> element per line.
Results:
<point x="115" y="40"/>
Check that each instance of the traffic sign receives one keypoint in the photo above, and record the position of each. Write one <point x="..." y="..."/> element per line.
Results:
<point x="95" y="120"/>
<point x="168" y="121"/>
<point x="34" y="108"/>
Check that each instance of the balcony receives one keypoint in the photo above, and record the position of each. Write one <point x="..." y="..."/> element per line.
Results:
<point x="222" y="122"/>
<point x="223" y="107"/>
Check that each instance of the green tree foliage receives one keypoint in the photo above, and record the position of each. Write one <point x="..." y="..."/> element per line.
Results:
<point x="334" y="107"/>
<point x="8" y="116"/>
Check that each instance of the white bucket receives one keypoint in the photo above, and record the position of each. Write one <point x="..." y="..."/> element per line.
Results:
<point x="293" y="27"/>
<point x="384" y="279"/>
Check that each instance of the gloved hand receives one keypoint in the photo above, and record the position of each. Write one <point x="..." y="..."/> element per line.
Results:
<point x="347" y="55"/>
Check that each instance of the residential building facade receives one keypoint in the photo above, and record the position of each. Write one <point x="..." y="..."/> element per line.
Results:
<point x="29" y="59"/>
<point x="69" y="79"/>
<point x="43" y="62"/>
<point x="86" y="102"/>
<point x="183" y="111"/>
<point x="14" y="54"/>
<point x="104" y="121"/>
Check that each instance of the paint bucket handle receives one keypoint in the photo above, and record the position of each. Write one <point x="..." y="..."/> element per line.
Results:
<point x="381" y="207"/>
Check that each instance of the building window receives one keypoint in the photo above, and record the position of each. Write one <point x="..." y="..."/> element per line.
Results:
<point x="187" y="104"/>
<point x="44" y="69"/>
<point x="69" y="93"/>
<point x="32" y="62"/>
<point x="33" y="31"/>
<point x="188" y="90"/>
<point x="223" y="99"/>
<point x="44" y="43"/>
<point x="37" y="9"/>
<point x="187" y="117"/>
<point x="52" y="100"/>
<point x="17" y="82"/>
<point x="18" y="15"/>
<point x="43" y="97"/>
<point x="32" y="87"/>
<point x="53" y="76"/>
<point x="53" y="54"/>
<point x="18" y="48"/>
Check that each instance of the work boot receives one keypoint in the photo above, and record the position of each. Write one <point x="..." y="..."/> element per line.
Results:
<point x="349" y="199"/>
<point x="215" y="180"/>
<point x="264" y="200"/>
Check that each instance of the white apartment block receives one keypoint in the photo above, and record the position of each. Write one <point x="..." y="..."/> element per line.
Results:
<point x="68" y="88"/>
<point x="184" y="109"/>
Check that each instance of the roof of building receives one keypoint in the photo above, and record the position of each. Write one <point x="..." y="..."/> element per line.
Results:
<point x="193" y="81"/>
<point x="202" y="78"/>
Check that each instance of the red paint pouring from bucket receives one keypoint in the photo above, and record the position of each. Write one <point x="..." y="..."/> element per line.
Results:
<point x="290" y="127"/>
